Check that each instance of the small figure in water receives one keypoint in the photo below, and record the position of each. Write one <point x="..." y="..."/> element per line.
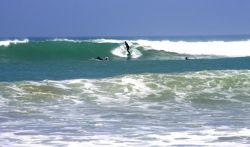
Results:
<point x="186" y="58"/>
<point x="101" y="59"/>
<point x="127" y="47"/>
<point x="98" y="58"/>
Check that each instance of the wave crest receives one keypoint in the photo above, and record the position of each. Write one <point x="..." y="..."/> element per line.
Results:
<point x="113" y="48"/>
<point x="216" y="48"/>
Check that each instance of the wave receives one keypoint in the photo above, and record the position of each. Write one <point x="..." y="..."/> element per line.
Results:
<point x="114" y="49"/>
<point x="216" y="48"/>
<point x="210" y="87"/>
<point x="6" y="43"/>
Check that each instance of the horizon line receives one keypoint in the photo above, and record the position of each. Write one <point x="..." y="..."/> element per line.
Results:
<point x="128" y="36"/>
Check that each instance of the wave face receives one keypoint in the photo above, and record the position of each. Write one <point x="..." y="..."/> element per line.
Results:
<point x="114" y="49"/>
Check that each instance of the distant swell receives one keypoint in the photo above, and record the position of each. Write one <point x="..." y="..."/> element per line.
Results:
<point x="114" y="49"/>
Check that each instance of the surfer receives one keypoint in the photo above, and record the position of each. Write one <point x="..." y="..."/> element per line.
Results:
<point x="127" y="47"/>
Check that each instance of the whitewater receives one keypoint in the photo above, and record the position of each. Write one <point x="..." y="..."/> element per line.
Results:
<point x="53" y="92"/>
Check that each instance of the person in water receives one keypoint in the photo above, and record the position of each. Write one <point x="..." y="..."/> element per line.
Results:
<point x="127" y="47"/>
<point x="101" y="59"/>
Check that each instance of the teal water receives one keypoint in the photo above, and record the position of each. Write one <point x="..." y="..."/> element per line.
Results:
<point x="54" y="93"/>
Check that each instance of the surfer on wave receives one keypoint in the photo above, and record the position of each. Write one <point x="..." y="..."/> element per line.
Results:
<point x="106" y="58"/>
<point x="127" y="47"/>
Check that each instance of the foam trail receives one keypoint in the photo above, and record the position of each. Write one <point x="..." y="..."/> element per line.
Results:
<point x="122" y="52"/>
<point x="217" y="48"/>
<point x="6" y="43"/>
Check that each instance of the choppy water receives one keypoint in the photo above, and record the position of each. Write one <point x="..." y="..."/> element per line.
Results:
<point x="53" y="93"/>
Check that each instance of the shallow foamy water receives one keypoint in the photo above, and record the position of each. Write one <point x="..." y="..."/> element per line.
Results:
<point x="192" y="108"/>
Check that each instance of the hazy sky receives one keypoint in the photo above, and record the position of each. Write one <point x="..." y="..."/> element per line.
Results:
<point x="62" y="18"/>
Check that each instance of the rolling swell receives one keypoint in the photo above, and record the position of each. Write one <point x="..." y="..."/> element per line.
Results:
<point x="64" y="49"/>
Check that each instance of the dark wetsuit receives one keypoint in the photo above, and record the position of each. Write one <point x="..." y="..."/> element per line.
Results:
<point x="127" y="47"/>
<point x="100" y="58"/>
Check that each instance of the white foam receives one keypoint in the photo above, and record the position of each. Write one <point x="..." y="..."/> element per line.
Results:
<point x="108" y="41"/>
<point x="207" y="137"/>
<point x="205" y="48"/>
<point x="119" y="89"/>
<point x="6" y="43"/>
<point x="217" y="48"/>
<point x="202" y="137"/>
<point x="57" y="85"/>
<point x="66" y="40"/>
<point x="138" y="85"/>
<point x="122" y="89"/>
<point x="103" y="92"/>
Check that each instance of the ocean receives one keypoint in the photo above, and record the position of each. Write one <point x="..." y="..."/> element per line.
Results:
<point x="53" y="91"/>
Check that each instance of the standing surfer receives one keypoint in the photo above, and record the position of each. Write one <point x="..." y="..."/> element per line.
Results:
<point x="127" y="47"/>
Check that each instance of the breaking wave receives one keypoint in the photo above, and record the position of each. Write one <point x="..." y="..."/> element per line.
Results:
<point x="114" y="49"/>
<point x="212" y="87"/>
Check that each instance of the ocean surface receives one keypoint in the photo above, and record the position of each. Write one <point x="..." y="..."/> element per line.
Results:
<point x="53" y="92"/>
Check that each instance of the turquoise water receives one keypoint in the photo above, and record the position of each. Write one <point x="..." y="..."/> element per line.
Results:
<point x="54" y="93"/>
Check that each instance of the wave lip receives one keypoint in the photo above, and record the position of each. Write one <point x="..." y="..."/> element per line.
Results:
<point x="215" y="48"/>
<point x="65" y="40"/>
<point x="108" y="41"/>
<point x="6" y="43"/>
